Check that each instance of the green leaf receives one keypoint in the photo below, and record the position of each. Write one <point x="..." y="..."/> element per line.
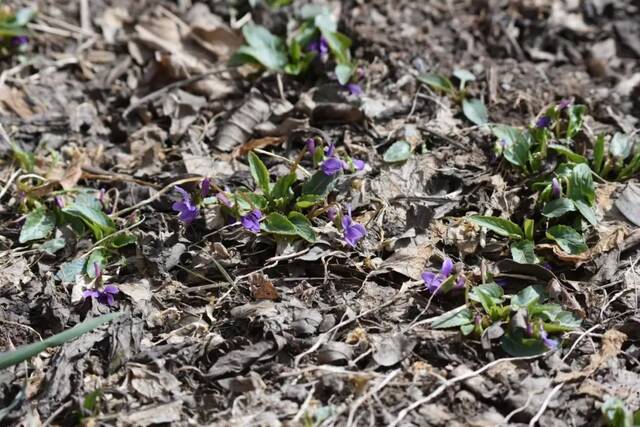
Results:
<point x="587" y="212"/>
<point x="517" y="152"/>
<point x="97" y="257"/>
<point x="567" y="321"/>
<point x="88" y="200"/>
<point x="487" y="294"/>
<point x="523" y="251"/>
<point x="453" y="318"/>
<point x="464" y="76"/>
<point x="308" y="200"/>
<point x="517" y="345"/>
<point x="475" y="111"/>
<point x="437" y="81"/>
<point x="558" y="207"/>
<point x="52" y="246"/>
<point x="344" y="73"/>
<point x="120" y="240"/>
<point x="399" y="151"/>
<point x="339" y="45"/>
<point x="507" y="133"/>
<point x="39" y="223"/>
<point x="581" y="184"/>
<point x="501" y="226"/>
<point x="25" y="159"/>
<point x="282" y="188"/>
<point x="324" y="21"/>
<point x="262" y="47"/>
<point x="69" y="270"/>
<point x="568" y="153"/>
<point x="99" y="223"/>
<point x="576" y="115"/>
<point x="567" y="238"/>
<point x="529" y="226"/>
<point x="277" y="223"/>
<point x="620" y="145"/>
<point x="27" y="351"/>
<point x="319" y="184"/>
<point x="259" y="173"/>
<point x="526" y="297"/>
<point x="303" y="227"/>
<point x="598" y="154"/>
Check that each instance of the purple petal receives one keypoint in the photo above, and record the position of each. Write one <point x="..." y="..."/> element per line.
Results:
<point x="111" y="289"/>
<point x="428" y="277"/>
<point x="564" y="104"/>
<point x="186" y="196"/>
<point x="90" y="293"/>
<point x="331" y="166"/>
<point x="205" y="187"/>
<point x="543" y="122"/>
<point x="330" y="150"/>
<point x="19" y="40"/>
<point x="354" y="233"/>
<point x="311" y="145"/>
<point x="250" y="221"/>
<point x="354" y="89"/>
<point x="59" y="201"/>
<point x="447" y="268"/>
<point x="96" y="270"/>
<point x="460" y="282"/>
<point x="548" y="342"/>
<point x="358" y="164"/>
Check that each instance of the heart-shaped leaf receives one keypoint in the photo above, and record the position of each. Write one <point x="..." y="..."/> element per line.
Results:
<point x="399" y="151"/>
<point x="38" y="224"/>
<point x="501" y="226"/>
<point x="475" y="111"/>
<point x="567" y="238"/>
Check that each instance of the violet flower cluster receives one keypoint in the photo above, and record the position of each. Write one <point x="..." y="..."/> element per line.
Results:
<point x="334" y="164"/>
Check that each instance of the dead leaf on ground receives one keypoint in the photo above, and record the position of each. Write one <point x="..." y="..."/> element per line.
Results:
<point x="612" y="341"/>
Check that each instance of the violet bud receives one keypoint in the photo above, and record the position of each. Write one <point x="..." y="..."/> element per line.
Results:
<point x="205" y="187"/>
<point x="59" y="201"/>
<point x="332" y="213"/>
<point x="354" y="89"/>
<point x="223" y="199"/>
<point x="19" y="40"/>
<point x="556" y="188"/>
<point x="548" y="342"/>
<point x="311" y="145"/>
<point x="564" y="104"/>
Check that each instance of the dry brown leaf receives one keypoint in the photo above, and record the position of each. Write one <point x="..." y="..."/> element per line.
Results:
<point x="254" y="143"/>
<point x="262" y="287"/>
<point x="14" y="100"/>
<point x="612" y="341"/>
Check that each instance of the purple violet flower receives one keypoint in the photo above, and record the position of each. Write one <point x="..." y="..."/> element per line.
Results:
<point x="358" y="164"/>
<point x="311" y="145"/>
<point x="222" y="198"/>
<point x="105" y="296"/>
<point x="543" y="122"/>
<point x="353" y="88"/>
<point x="251" y="221"/>
<point x="60" y="201"/>
<point x="564" y="104"/>
<point x="332" y="166"/>
<point x="321" y="47"/>
<point x="353" y="231"/>
<point x="205" y="187"/>
<point x="550" y="343"/>
<point x="187" y="210"/>
<point x="19" y="40"/>
<point x="556" y="188"/>
<point x="434" y="280"/>
<point x="332" y="213"/>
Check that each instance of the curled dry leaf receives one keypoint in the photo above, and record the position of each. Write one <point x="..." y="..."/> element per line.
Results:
<point x="262" y="287"/>
<point x="239" y="127"/>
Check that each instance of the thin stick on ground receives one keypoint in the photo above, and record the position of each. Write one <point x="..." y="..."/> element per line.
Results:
<point x="368" y="394"/>
<point x="546" y="402"/>
<point x="437" y="392"/>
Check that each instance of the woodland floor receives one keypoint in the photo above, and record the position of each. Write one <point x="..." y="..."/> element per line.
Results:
<point x="341" y="341"/>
